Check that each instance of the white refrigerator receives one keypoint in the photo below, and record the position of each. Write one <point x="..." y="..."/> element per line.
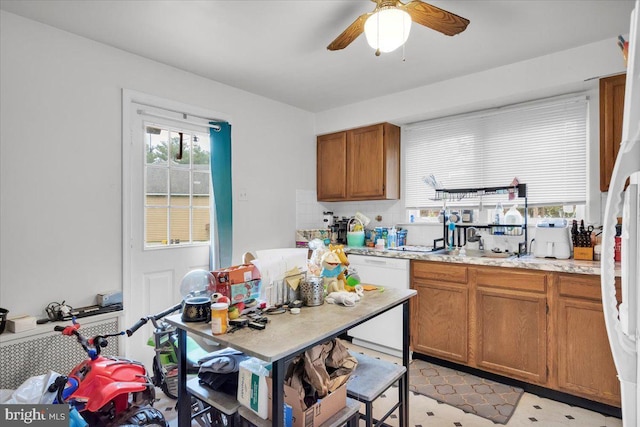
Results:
<point x="623" y="323"/>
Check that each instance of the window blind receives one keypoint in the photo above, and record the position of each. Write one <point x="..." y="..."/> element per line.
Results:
<point x="542" y="144"/>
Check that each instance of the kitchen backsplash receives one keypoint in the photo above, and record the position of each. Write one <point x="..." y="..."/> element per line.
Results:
<point x="309" y="211"/>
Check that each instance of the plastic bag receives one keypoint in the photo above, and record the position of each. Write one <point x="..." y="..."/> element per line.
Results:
<point x="34" y="390"/>
<point x="320" y="370"/>
<point x="314" y="263"/>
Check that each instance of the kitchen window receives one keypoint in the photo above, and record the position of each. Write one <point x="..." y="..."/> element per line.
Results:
<point x="541" y="143"/>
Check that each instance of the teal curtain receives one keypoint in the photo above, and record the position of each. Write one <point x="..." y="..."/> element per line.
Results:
<point x="222" y="235"/>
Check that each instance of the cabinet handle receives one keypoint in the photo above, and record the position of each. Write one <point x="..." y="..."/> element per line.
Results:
<point x="375" y="261"/>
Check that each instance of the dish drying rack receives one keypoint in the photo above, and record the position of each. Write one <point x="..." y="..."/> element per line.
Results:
<point x="519" y="190"/>
<point x="458" y="194"/>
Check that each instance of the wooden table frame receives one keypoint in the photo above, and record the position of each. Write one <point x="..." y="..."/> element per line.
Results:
<point x="288" y="335"/>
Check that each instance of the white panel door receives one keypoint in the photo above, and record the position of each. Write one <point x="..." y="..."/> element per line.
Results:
<point x="151" y="278"/>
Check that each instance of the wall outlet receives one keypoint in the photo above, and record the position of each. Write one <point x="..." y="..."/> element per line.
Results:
<point x="243" y="195"/>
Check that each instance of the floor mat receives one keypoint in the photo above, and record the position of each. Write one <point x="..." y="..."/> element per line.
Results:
<point x="484" y="398"/>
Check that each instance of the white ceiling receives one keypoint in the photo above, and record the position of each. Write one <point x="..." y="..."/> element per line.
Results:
<point x="277" y="49"/>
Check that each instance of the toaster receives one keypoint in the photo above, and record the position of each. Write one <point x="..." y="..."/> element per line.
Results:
<point x="552" y="239"/>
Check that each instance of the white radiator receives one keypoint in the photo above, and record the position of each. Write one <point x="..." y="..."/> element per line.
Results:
<point x="38" y="354"/>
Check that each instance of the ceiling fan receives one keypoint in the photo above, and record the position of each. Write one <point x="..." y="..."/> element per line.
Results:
<point x="402" y="14"/>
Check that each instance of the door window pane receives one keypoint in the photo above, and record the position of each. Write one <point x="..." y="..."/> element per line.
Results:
<point x="201" y="224"/>
<point x="179" y="225"/>
<point x="180" y="187"/>
<point x="156" y="185"/>
<point x="201" y="152"/>
<point x="177" y="186"/>
<point x="181" y="149"/>
<point x="156" y="145"/>
<point x="156" y="226"/>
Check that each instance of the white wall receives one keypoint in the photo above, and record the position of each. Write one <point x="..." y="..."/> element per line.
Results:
<point x="563" y="72"/>
<point x="60" y="146"/>
<point x="60" y="115"/>
<point x="574" y="70"/>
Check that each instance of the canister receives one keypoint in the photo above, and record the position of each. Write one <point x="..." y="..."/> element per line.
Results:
<point x="617" y="249"/>
<point x="402" y="237"/>
<point x="312" y="291"/>
<point x="219" y="318"/>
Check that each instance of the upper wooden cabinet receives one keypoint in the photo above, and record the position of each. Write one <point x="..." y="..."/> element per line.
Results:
<point x="359" y="164"/>
<point x="611" y="112"/>
<point x="332" y="166"/>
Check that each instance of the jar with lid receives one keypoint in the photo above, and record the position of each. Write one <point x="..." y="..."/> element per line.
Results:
<point x="219" y="318"/>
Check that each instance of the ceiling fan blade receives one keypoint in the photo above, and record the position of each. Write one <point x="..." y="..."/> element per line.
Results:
<point x="435" y="18"/>
<point x="350" y="34"/>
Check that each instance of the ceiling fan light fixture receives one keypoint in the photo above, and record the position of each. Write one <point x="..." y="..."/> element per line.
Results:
<point x="387" y="29"/>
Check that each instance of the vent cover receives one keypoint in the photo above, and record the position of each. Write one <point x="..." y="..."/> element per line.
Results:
<point x="41" y="354"/>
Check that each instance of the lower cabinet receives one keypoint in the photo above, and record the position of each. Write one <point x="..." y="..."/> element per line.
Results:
<point x="584" y="362"/>
<point x="511" y="317"/>
<point x="441" y="320"/>
<point x="440" y="311"/>
<point x="512" y="334"/>
<point x="544" y="328"/>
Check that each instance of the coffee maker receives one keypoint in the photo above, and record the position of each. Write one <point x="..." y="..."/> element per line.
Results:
<point x="328" y="218"/>
<point x="341" y="227"/>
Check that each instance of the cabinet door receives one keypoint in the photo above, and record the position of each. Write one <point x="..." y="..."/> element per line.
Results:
<point x="440" y="317"/>
<point x="365" y="162"/>
<point x="611" y="112"/>
<point x="585" y="364"/>
<point x="512" y="333"/>
<point x="331" y="166"/>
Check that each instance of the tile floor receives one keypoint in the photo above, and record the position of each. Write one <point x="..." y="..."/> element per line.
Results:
<point x="532" y="410"/>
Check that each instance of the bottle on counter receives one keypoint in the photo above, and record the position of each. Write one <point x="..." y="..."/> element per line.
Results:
<point x="498" y="215"/>
<point x="392" y="238"/>
<point x="498" y="218"/>
<point x="513" y="216"/>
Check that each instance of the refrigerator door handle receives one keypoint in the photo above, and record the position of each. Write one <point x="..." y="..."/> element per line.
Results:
<point x="623" y="347"/>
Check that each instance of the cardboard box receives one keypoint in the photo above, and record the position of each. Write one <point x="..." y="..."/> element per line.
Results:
<point x="316" y="414"/>
<point x="243" y="291"/>
<point x="109" y="298"/>
<point x="236" y="274"/>
<point x="21" y="323"/>
<point x="239" y="283"/>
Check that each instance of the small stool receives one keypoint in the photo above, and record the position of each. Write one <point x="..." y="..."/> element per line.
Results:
<point x="349" y="415"/>
<point x="371" y="378"/>
<point x="217" y="403"/>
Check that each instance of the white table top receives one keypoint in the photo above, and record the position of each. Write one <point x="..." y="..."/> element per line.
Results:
<point x="287" y="334"/>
